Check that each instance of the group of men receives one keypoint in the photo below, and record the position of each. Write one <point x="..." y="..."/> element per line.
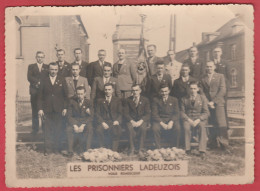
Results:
<point x="79" y="99"/>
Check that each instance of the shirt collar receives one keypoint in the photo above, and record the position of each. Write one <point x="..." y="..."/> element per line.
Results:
<point x="75" y="78"/>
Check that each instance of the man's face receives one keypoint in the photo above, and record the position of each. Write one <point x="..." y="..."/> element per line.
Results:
<point x="151" y="51"/>
<point x="61" y="56"/>
<point x="75" y="70"/>
<point x="107" y="71"/>
<point x="108" y="91"/>
<point x="40" y="58"/>
<point x="78" y="55"/>
<point x="136" y="91"/>
<point x="164" y="92"/>
<point x="210" y="67"/>
<point x="193" y="52"/>
<point x="121" y="54"/>
<point x="81" y="94"/>
<point x="217" y="53"/>
<point x="160" y="69"/>
<point x="171" y="55"/>
<point x="185" y="71"/>
<point x="53" y="70"/>
<point x="101" y="55"/>
<point x="194" y="89"/>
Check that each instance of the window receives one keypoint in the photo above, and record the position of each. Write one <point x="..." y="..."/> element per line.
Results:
<point x="233" y="78"/>
<point x="233" y="51"/>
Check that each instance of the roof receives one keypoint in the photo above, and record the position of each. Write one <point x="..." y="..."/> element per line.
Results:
<point x="81" y="23"/>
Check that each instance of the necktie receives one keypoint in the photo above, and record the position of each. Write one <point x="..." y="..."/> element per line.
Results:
<point x="160" y="78"/>
<point x="106" y="80"/>
<point x="192" y="100"/>
<point x="80" y="103"/>
<point x="40" y="68"/>
<point x="75" y="82"/>
<point x="136" y="102"/>
<point x="164" y="100"/>
<point x="119" y="66"/>
<point x="108" y="100"/>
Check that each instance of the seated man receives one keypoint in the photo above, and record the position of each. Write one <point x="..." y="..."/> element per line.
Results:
<point x="109" y="118"/>
<point x="165" y="115"/>
<point x="194" y="112"/>
<point x="137" y="114"/>
<point x="80" y="117"/>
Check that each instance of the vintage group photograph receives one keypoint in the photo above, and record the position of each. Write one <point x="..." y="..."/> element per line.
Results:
<point x="133" y="91"/>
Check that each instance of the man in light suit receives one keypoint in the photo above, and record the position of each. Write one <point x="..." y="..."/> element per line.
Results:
<point x="152" y="59"/>
<point x="109" y="118"/>
<point x="97" y="90"/>
<point x="194" y="113"/>
<point x="214" y="87"/>
<point x="165" y="116"/>
<point x="137" y="114"/>
<point x="35" y="73"/>
<point x="125" y="72"/>
<point x="83" y="65"/>
<point x="75" y="81"/>
<point x="52" y="106"/>
<point x="95" y="69"/>
<point x="64" y="66"/>
<point x="172" y="66"/>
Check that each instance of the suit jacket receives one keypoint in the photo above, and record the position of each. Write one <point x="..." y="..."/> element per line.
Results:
<point x="109" y="112"/>
<point x="151" y="62"/>
<point x="215" y="90"/>
<point x="180" y="89"/>
<point x="126" y="76"/>
<point x="172" y="69"/>
<point x="223" y="68"/>
<point x="77" y="114"/>
<point x="165" y="111"/>
<point x="197" y="111"/>
<point x="97" y="90"/>
<point x="83" y="69"/>
<point x="81" y="82"/>
<point x="142" y="111"/>
<point x="95" y="70"/>
<point x="197" y="69"/>
<point x="34" y="76"/>
<point x="65" y="71"/>
<point x="53" y="98"/>
<point x="153" y="86"/>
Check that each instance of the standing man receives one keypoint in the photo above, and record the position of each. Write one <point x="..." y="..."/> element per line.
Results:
<point x="165" y="115"/>
<point x="157" y="79"/>
<point x="75" y="81"/>
<point x="137" y="114"/>
<point x="95" y="69"/>
<point x="125" y="73"/>
<point x="97" y="90"/>
<point x="152" y="59"/>
<point x="196" y="65"/>
<point x="80" y="117"/>
<point x="52" y="105"/>
<point x="64" y="66"/>
<point x="83" y="65"/>
<point x="172" y="66"/>
<point x="35" y="73"/>
<point x="109" y="118"/>
<point x="214" y="87"/>
<point x="194" y="113"/>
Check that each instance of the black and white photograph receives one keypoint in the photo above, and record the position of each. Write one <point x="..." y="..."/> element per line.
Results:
<point x="129" y="95"/>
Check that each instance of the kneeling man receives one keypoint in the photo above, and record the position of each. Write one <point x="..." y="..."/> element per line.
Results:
<point x="80" y="117"/>
<point x="165" y="115"/>
<point x="109" y="118"/>
<point x="194" y="112"/>
<point x="137" y="114"/>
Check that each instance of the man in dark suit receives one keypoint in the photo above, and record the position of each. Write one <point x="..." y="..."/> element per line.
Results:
<point x="75" y="81"/>
<point x="125" y="72"/>
<point x="109" y="119"/>
<point x="64" y="66"/>
<point x="137" y="114"/>
<point x="153" y="85"/>
<point x="83" y="65"/>
<point x="196" y="65"/>
<point x="220" y="64"/>
<point x="194" y="113"/>
<point x="214" y="87"/>
<point x="35" y="73"/>
<point x="95" y="69"/>
<point x="152" y="59"/>
<point x="180" y="87"/>
<point x="97" y="90"/>
<point x="80" y="117"/>
<point x="52" y="105"/>
<point x="165" y="115"/>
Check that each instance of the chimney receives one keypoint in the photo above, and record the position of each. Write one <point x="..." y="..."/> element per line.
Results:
<point x="236" y="27"/>
<point x="209" y="36"/>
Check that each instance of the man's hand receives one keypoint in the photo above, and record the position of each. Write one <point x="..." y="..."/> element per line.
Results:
<point x="196" y="122"/>
<point x="115" y="123"/>
<point x="81" y="128"/>
<point x="134" y="124"/>
<point x="105" y="126"/>
<point x="211" y="105"/>
<point x="190" y="122"/>
<point x="88" y="111"/>
<point x="165" y="126"/>
<point x="76" y="128"/>
<point x="170" y="124"/>
<point x="139" y="123"/>
<point x="64" y="111"/>
<point x="41" y="113"/>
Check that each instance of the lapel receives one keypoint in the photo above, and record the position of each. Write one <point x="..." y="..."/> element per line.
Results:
<point x="123" y="67"/>
<point x="105" y="105"/>
<point x="213" y="79"/>
<point x="80" y="81"/>
<point x="37" y="69"/>
<point x="132" y="103"/>
<point x="71" y="82"/>
<point x="139" y="104"/>
<point x="101" y="83"/>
